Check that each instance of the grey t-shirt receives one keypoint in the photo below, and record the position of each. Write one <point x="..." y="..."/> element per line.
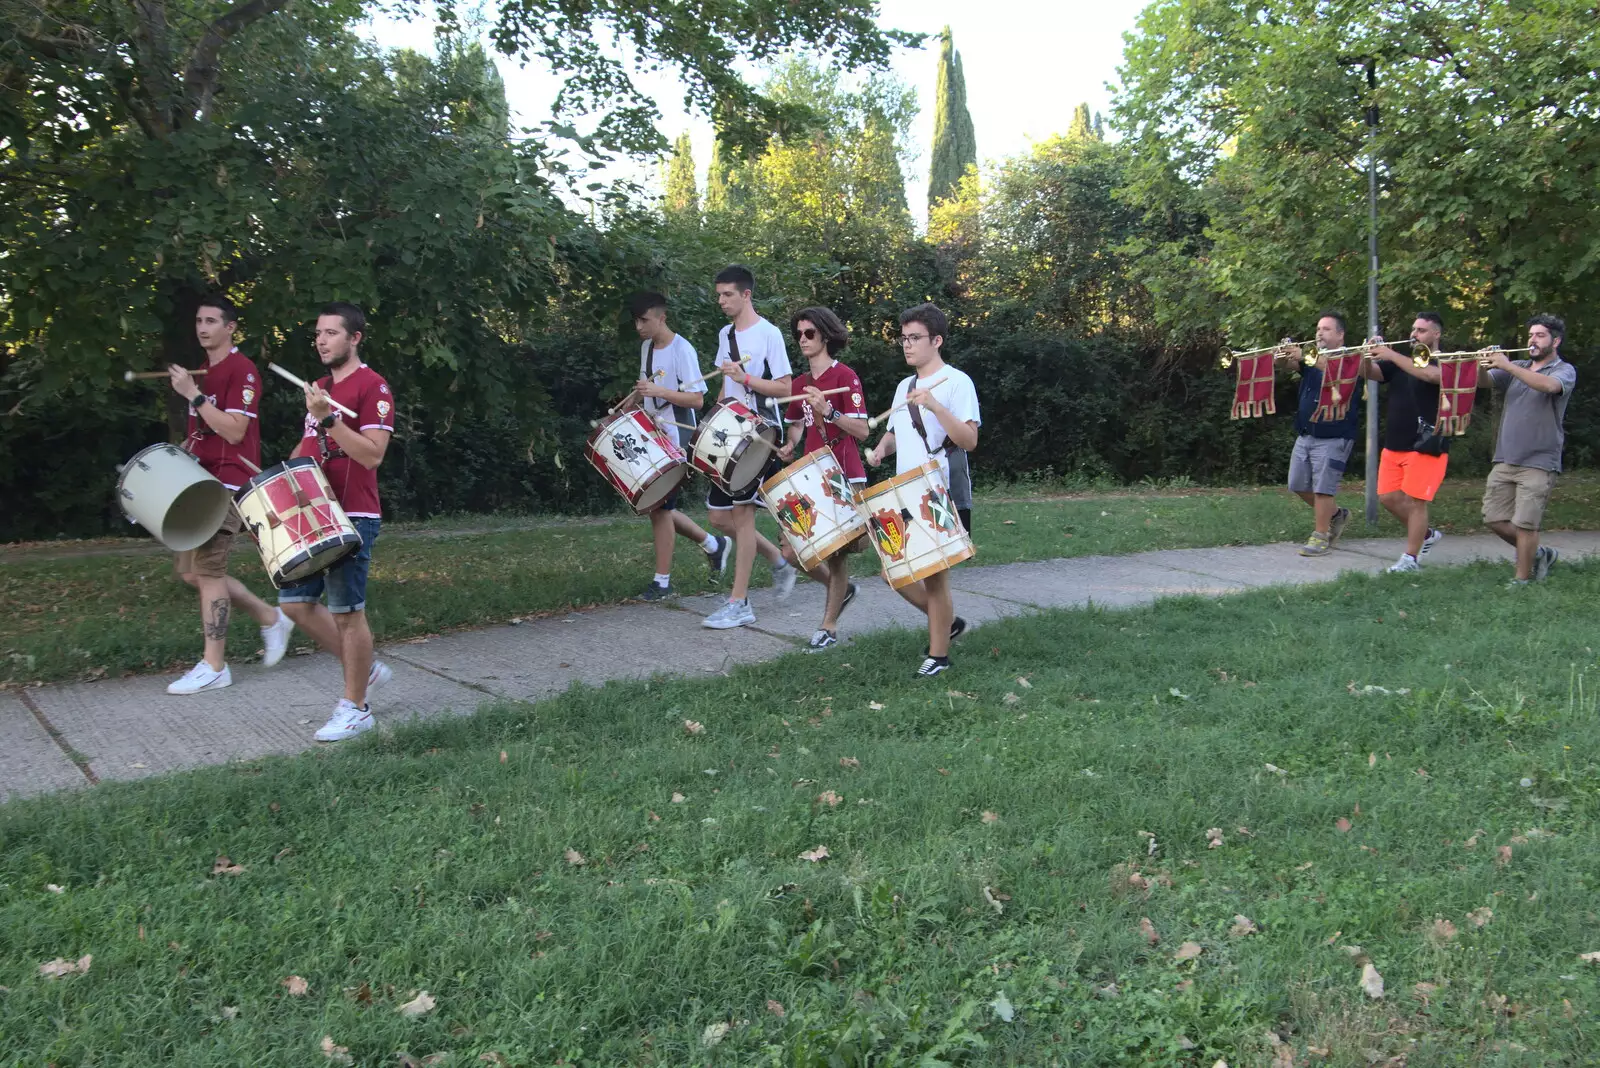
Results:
<point x="1531" y="431"/>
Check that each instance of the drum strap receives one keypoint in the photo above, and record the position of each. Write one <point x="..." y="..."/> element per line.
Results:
<point x="647" y="370"/>
<point x="915" y="412"/>
<point x="765" y="406"/>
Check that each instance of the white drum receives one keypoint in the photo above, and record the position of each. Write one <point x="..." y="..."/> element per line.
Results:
<point x="914" y="525"/>
<point x="297" y="523"/>
<point x="638" y="457"/>
<point x="166" y="491"/>
<point x="731" y="445"/>
<point x="815" y="507"/>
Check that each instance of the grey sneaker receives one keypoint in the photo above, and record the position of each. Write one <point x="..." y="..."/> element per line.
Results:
<point x="1542" y="561"/>
<point x="656" y="592"/>
<point x="1316" y="545"/>
<point x="733" y="614"/>
<point x="821" y="640"/>
<point x="1336" y="526"/>
<point x="1407" y="563"/>
<point x="1433" y="538"/>
<point x="718" y="558"/>
<point x="783" y="580"/>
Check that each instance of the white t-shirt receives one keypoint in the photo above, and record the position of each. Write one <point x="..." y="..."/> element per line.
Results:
<point x="670" y="368"/>
<point x="956" y="393"/>
<point x="765" y="356"/>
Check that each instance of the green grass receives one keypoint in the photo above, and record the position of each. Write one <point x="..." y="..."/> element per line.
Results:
<point x="434" y="858"/>
<point x="66" y="617"/>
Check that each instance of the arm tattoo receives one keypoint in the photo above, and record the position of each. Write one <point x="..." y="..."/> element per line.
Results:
<point x="217" y="622"/>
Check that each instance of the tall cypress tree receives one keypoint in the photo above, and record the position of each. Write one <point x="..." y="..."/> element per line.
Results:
<point x="955" y="144"/>
<point x="719" y="178"/>
<point x="682" y="197"/>
<point x="1084" y="128"/>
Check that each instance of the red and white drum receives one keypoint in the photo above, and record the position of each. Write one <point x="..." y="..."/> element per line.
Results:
<point x="732" y="445"/>
<point x="296" y="522"/>
<point x="914" y="525"/>
<point x="815" y="507"/>
<point x="638" y="457"/>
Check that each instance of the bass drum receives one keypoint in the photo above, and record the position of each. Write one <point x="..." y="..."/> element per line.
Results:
<point x="914" y="525"/>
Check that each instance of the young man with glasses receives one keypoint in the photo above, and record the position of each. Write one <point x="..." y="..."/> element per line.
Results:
<point x="948" y="418"/>
<point x="837" y="422"/>
<point x="755" y="371"/>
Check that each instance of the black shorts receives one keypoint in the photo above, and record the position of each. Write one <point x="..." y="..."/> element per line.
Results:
<point x="720" y="501"/>
<point x="966" y="518"/>
<point x="671" y="503"/>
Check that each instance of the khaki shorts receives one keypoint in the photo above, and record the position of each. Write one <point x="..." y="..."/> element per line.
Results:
<point x="1518" y="495"/>
<point x="211" y="559"/>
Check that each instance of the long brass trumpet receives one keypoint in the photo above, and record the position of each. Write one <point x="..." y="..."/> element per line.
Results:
<point x="1419" y="352"/>
<point x="1484" y="355"/>
<point x="1279" y="352"/>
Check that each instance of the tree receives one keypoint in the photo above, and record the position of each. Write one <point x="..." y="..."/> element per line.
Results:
<point x="955" y="145"/>
<point x="719" y="178"/>
<point x="1084" y="128"/>
<point x="682" y="198"/>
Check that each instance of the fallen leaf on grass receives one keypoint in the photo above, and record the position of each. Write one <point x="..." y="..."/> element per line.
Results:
<point x="59" y="967"/>
<point x="1423" y="991"/>
<point x="1003" y="1008"/>
<point x="1480" y="917"/>
<point x="1592" y="958"/>
<point x="296" y="986"/>
<point x="224" y="866"/>
<point x="1213" y="837"/>
<point x="504" y="756"/>
<point x="814" y="855"/>
<point x="1372" y="760"/>
<point x="678" y="799"/>
<point x="362" y="994"/>
<point x="1010" y="699"/>
<point x="1022" y="680"/>
<point x="230" y="1012"/>
<point x="1148" y="929"/>
<point x="54" y="889"/>
<point x="336" y="1054"/>
<point x="995" y="901"/>
<point x="1371" y="982"/>
<point x="1341" y="825"/>
<point x="776" y="1008"/>
<point x="1502" y="856"/>
<point x="990" y="817"/>
<point x="575" y="858"/>
<point x="693" y="727"/>
<point x="829" y="798"/>
<point x="849" y="762"/>
<point x="1188" y="951"/>
<point x="875" y="706"/>
<point x="1442" y="930"/>
<point x="420" y="1005"/>
<point x="1275" y="770"/>
<point x="1242" y="925"/>
<point x="713" y="1034"/>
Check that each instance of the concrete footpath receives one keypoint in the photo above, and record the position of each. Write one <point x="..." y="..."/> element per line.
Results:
<point x="71" y="736"/>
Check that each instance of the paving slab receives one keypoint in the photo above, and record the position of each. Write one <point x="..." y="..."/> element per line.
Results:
<point x="30" y="760"/>
<point x="1102" y="580"/>
<point x="132" y="728"/>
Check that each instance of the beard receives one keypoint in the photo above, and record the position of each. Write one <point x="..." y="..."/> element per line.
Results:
<point x="334" y="363"/>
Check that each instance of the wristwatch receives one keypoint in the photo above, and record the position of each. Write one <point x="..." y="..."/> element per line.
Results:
<point x="327" y="421"/>
<point x="833" y="415"/>
<point x="198" y="402"/>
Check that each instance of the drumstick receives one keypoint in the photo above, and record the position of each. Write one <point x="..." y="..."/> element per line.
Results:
<point x="802" y="396"/>
<point x="253" y="468"/>
<point x="877" y="420"/>
<point x="710" y="375"/>
<point x="303" y="384"/>
<point x="623" y="403"/>
<point x="140" y="376"/>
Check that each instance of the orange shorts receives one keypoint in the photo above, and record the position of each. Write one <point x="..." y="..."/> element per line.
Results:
<point x="1416" y="474"/>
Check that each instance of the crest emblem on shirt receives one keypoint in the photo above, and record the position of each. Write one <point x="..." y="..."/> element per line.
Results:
<point x="249" y="377"/>
<point x="939" y="511"/>
<point x="383" y="387"/>
<point x="249" y="395"/>
<point x="856" y="400"/>
<point x="798" y="514"/>
<point x="383" y="409"/>
<point x="889" y="531"/>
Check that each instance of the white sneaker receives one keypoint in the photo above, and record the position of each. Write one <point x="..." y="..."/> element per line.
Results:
<point x="783" y="580"/>
<point x="202" y="677"/>
<point x="1434" y="536"/>
<point x="379" y="674"/>
<point x="347" y="722"/>
<point x="275" y="636"/>
<point x="733" y="614"/>
<point x="1406" y="563"/>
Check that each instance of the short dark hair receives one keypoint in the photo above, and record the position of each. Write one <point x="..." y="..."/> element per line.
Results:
<point x="1336" y="316"/>
<point x="736" y="274"/>
<point x="355" y="320"/>
<point x="1433" y="317"/>
<point x="1557" y="328"/>
<point x="833" y="331"/>
<point x="930" y="317"/>
<point x="229" y="310"/>
<point x="641" y="303"/>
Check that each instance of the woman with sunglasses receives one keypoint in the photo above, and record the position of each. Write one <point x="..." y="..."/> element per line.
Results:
<point x="833" y="420"/>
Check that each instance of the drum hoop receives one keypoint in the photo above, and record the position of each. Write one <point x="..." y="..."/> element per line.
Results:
<point x="913" y="475"/>
<point x="814" y="456"/>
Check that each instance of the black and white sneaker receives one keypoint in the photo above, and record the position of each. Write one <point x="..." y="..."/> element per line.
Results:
<point x="718" y="557"/>
<point x="932" y="666"/>
<point x="822" y="639"/>
<point x="1432" y="538"/>
<point x="656" y="592"/>
<point x="958" y="628"/>
<point x="849" y="595"/>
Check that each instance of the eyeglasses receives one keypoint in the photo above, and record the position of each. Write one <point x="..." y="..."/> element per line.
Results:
<point x="911" y="339"/>
<point x="808" y="334"/>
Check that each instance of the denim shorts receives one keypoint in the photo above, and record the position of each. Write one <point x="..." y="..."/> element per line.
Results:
<point x="345" y="582"/>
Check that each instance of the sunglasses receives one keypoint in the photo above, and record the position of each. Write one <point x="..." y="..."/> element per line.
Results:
<point x="807" y="334"/>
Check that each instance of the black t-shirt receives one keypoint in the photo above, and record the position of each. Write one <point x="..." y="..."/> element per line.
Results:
<point x="1411" y="400"/>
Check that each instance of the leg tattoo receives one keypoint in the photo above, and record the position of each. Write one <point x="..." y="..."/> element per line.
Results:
<point x="217" y="624"/>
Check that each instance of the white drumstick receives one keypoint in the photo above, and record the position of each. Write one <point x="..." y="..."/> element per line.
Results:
<point x="303" y="384"/>
<point x="876" y="421"/>
<point x="802" y="396"/>
<point x="710" y="375"/>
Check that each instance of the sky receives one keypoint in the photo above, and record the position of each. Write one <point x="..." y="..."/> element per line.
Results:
<point x="1028" y="63"/>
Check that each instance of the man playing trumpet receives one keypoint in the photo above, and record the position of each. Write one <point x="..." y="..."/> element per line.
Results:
<point x="1322" y="447"/>
<point x="1415" y="457"/>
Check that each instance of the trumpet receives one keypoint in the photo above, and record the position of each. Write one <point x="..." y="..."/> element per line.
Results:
<point x="1420" y="353"/>
<point x="1484" y="355"/>
<point x="1279" y="352"/>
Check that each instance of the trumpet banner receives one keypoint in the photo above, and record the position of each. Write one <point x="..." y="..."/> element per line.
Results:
<point x="1252" y="395"/>
<point x="1458" y="389"/>
<point x="1338" y="387"/>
